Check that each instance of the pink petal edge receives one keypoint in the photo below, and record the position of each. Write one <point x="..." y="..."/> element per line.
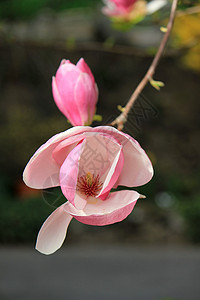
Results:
<point x="140" y="170"/>
<point x="114" y="209"/>
<point x="53" y="231"/>
<point x="42" y="171"/>
<point x="83" y="67"/>
<point x="68" y="177"/>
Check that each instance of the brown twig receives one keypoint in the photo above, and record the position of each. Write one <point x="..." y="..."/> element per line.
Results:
<point x="122" y="118"/>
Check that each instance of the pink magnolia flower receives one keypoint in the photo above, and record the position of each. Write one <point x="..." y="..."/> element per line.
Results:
<point x="87" y="163"/>
<point x="118" y="7"/>
<point x="130" y="9"/>
<point x="75" y="92"/>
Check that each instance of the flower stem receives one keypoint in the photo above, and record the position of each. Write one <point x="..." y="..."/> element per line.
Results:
<point x="122" y="118"/>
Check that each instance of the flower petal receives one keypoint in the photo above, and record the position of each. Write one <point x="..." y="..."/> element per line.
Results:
<point x="58" y="100"/>
<point x="83" y="67"/>
<point x="137" y="169"/>
<point x="64" y="85"/>
<point x="114" y="209"/>
<point x="85" y="98"/>
<point x="53" y="232"/>
<point x="155" y="5"/>
<point x="42" y="171"/>
<point x="113" y="174"/>
<point x="63" y="149"/>
<point x="69" y="174"/>
<point x="100" y="157"/>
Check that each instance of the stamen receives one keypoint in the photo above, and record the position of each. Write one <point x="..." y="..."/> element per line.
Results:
<point x="89" y="184"/>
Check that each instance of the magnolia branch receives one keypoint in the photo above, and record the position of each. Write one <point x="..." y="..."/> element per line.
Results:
<point x="122" y="118"/>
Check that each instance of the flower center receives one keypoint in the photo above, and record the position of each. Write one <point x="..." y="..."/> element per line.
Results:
<point x="89" y="184"/>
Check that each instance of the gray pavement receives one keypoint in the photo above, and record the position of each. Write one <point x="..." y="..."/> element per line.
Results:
<point x="100" y="273"/>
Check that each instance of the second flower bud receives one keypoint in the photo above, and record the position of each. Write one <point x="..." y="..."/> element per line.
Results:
<point x="75" y="92"/>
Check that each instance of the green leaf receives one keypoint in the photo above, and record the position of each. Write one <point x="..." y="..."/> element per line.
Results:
<point x="97" y="118"/>
<point x="156" y="84"/>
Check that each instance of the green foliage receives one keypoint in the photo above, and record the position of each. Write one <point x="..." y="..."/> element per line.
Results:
<point x="186" y="191"/>
<point x="122" y="25"/>
<point x="24" y="9"/>
<point x="20" y="219"/>
<point x="185" y="3"/>
<point x="190" y="209"/>
<point x="21" y="8"/>
<point x="156" y="84"/>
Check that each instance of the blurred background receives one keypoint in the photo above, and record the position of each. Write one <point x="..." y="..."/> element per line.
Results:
<point x="34" y="36"/>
